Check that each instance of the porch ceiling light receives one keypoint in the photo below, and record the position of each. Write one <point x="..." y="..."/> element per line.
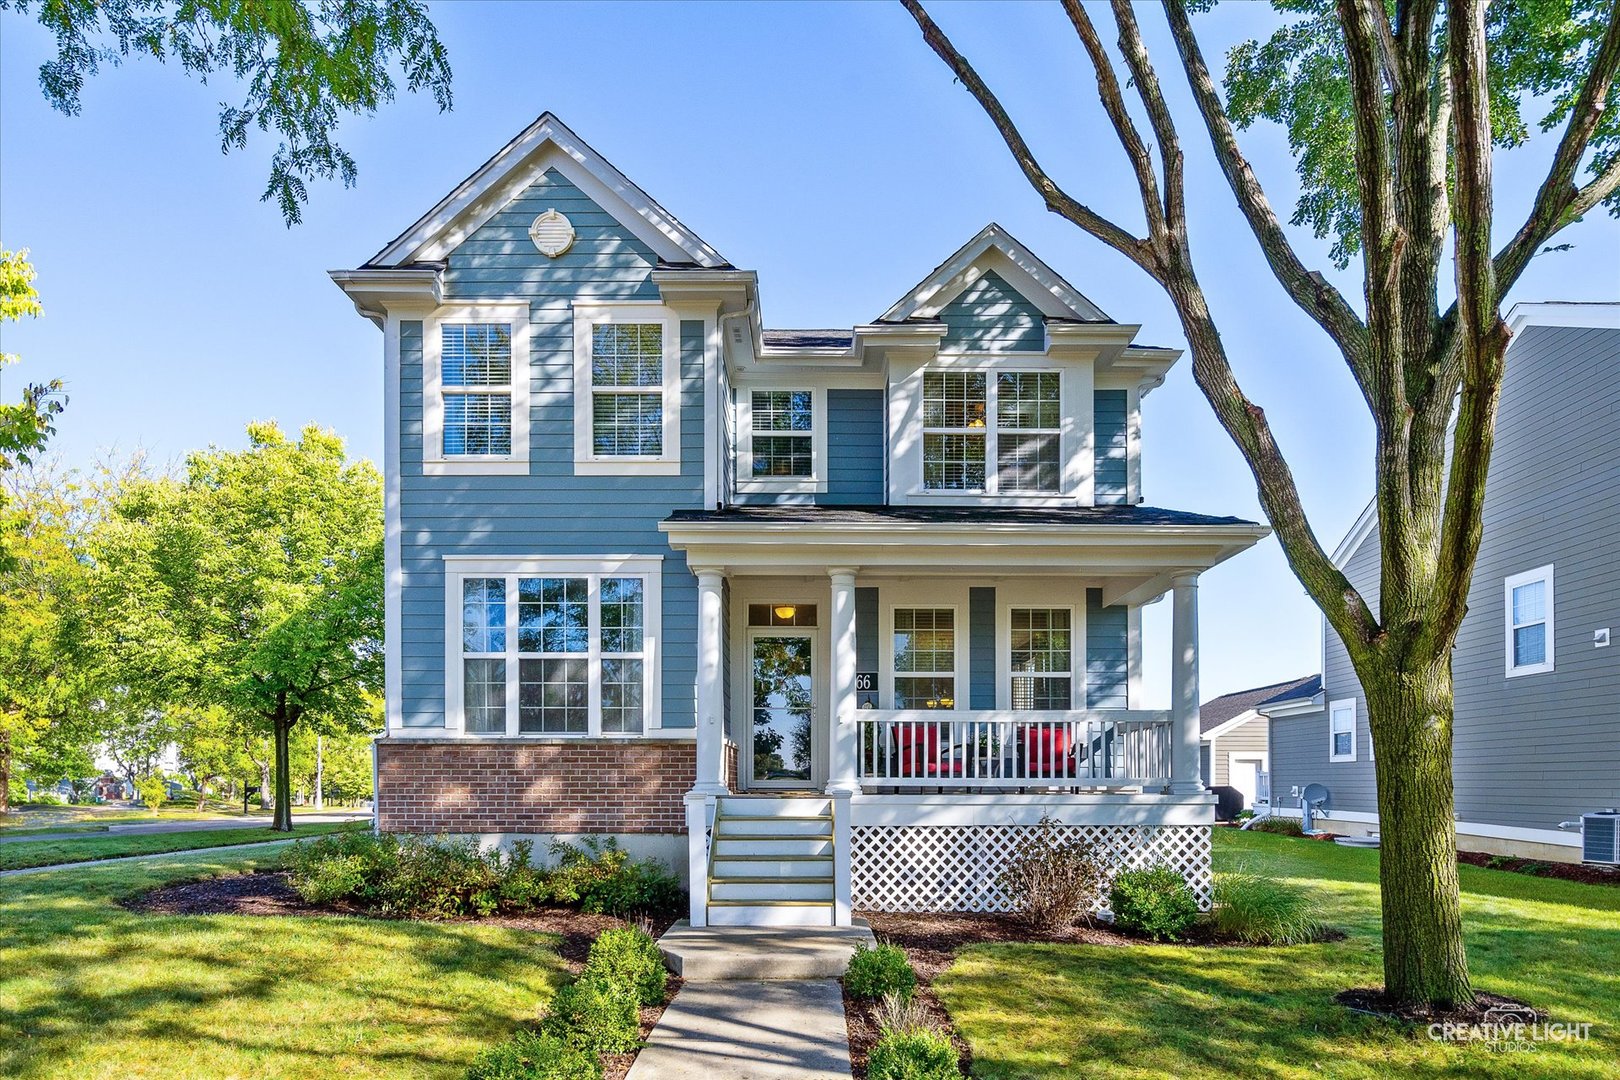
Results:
<point x="785" y="611"/>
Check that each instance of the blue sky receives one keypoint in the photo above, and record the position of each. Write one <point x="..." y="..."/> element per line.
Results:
<point x="822" y="145"/>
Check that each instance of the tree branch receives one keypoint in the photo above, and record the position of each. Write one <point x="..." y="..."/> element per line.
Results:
<point x="1057" y="200"/>
<point x="1308" y="289"/>
<point x="1164" y="127"/>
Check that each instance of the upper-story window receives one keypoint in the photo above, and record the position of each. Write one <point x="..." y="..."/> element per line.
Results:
<point x="781" y="439"/>
<point x="1342" y="730"/>
<point x="626" y="390"/>
<point x="1011" y="418"/>
<point x="1529" y="602"/>
<point x="475" y="389"/>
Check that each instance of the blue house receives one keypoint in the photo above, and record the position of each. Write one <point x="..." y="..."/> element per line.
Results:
<point x="822" y="617"/>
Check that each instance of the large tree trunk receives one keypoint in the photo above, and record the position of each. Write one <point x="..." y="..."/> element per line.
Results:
<point x="1410" y="711"/>
<point x="282" y="819"/>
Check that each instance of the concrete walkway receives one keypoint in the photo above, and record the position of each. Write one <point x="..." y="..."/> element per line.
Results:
<point x="87" y="864"/>
<point x="764" y="1030"/>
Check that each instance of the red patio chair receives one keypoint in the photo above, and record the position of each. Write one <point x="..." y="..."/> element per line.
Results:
<point x="1047" y="750"/>
<point x="917" y="752"/>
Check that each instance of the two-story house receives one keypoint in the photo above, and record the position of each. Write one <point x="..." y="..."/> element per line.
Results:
<point x="822" y="617"/>
<point x="1536" y="734"/>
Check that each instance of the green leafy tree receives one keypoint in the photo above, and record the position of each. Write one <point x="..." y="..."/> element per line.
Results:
<point x="1393" y="109"/>
<point x="25" y="425"/>
<point x="302" y="66"/>
<point x="153" y="791"/>
<point x="253" y="584"/>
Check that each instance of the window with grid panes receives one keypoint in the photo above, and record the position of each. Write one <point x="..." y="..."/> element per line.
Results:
<point x="475" y="377"/>
<point x="780" y="431"/>
<point x="1042" y="660"/>
<point x="955" y="411"/>
<point x="924" y="658"/>
<point x="627" y="389"/>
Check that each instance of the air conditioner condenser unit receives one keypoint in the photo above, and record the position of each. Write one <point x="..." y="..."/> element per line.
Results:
<point x="1600" y="837"/>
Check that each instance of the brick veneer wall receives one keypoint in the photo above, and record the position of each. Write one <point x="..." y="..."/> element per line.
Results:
<point x="559" y="786"/>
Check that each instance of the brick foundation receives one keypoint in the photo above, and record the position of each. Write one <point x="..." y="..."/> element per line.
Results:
<point x="560" y="786"/>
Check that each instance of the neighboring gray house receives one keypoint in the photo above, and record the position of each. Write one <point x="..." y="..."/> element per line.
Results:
<point x="1235" y="747"/>
<point x="821" y="617"/>
<point x="1537" y="734"/>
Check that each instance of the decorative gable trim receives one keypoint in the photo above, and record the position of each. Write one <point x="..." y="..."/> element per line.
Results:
<point x="994" y="249"/>
<point x="546" y="144"/>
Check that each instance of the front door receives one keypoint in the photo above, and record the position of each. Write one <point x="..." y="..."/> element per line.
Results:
<point x="1244" y="774"/>
<point x="782" y="669"/>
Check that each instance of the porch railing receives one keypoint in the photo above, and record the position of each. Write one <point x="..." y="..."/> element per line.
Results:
<point x="919" y="748"/>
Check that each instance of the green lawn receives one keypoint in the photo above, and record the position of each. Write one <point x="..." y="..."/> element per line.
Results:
<point x="1050" y="1012"/>
<point x="92" y="817"/>
<point x="18" y="854"/>
<point x="90" y="990"/>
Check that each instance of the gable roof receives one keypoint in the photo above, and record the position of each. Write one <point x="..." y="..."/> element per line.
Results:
<point x="545" y="144"/>
<point x="994" y="248"/>
<point x="1217" y="711"/>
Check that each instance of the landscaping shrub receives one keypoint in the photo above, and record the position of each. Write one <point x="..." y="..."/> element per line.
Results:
<point x="1263" y="911"/>
<point x="874" y="973"/>
<point x="1282" y="826"/>
<point x="1051" y="881"/>
<point x="1155" y="903"/>
<point x="918" y="1054"/>
<point x="414" y="875"/>
<point x="594" y="1014"/>
<point x="629" y="958"/>
<point x="601" y="879"/>
<point x="527" y="1056"/>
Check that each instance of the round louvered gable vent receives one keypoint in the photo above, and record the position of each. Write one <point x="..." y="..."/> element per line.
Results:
<point x="552" y="233"/>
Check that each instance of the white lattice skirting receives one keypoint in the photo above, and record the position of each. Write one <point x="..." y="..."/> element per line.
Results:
<point x="954" y="867"/>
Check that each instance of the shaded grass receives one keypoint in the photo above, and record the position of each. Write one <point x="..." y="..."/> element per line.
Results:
<point x="89" y="989"/>
<point x="27" y="853"/>
<point x="1041" y="1012"/>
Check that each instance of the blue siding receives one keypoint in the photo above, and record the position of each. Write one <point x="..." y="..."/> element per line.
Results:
<point x="550" y="511"/>
<point x="1107" y="653"/>
<point x="992" y="316"/>
<point x="1113" y="446"/>
<point x="982" y="647"/>
<point x="854" y="448"/>
<point x="866" y="639"/>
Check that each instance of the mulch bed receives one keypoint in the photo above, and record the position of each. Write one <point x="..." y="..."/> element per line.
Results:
<point x="1586" y="875"/>
<point x="1487" y="1008"/>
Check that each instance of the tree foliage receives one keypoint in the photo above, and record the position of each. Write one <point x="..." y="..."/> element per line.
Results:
<point x="25" y="425"/>
<point x="302" y="66"/>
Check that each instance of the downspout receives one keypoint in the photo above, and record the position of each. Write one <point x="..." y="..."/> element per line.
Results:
<point x="749" y="310"/>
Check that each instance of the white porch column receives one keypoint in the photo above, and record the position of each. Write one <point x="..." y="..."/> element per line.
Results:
<point x="711" y="730"/>
<point x="1184" y="777"/>
<point x="844" y="741"/>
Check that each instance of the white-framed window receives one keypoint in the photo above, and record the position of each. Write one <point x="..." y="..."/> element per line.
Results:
<point x="552" y="646"/>
<point x="475" y="389"/>
<point x="924" y="657"/>
<point x="992" y="432"/>
<point x="1041" y="657"/>
<point x="1342" y="730"/>
<point x="627" y="389"/>
<point x="782" y="438"/>
<point x="1528" y="598"/>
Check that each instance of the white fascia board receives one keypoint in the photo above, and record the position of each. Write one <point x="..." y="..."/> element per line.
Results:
<point x="1597" y="315"/>
<point x="1234" y="722"/>
<point x="1358" y="532"/>
<point x="1310" y="706"/>
<point x="372" y="291"/>
<point x="517" y="165"/>
<point x="994" y="248"/>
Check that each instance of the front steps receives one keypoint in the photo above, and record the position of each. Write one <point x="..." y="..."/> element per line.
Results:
<point x="771" y="862"/>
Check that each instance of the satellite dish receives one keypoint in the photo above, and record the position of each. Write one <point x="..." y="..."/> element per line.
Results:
<point x="1316" y="796"/>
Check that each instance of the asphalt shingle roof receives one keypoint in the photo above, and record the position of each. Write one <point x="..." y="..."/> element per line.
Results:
<point x="1218" y="711"/>
<point x="950" y="515"/>
<point x="808" y="339"/>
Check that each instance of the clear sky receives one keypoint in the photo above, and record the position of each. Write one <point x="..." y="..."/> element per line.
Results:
<point x="822" y="145"/>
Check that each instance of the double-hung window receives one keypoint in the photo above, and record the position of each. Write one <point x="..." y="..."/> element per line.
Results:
<point x="992" y="433"/>
<point x="924" y="658"/>
<point x="1528" y="598"/>
<point x="626" y="390"/>
<point x="1342" y="730"/>
<point x="1042" y="660"/>
<point x="782" y="436"/>
<point x="552" y="646"/>
<point x="475" y="389"/>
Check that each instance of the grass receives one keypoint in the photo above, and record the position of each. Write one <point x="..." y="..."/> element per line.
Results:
<point x="88" y="989"/>
<point x="19" y="854"/>
<point x="1044" y="1012"/>
<point x="92" y="817"/>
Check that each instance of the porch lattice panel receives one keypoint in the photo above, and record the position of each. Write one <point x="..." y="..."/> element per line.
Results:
<point x="954" y="867"/>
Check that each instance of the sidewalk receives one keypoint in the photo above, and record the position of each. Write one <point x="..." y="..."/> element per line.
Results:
<point x="776" y="1030"/>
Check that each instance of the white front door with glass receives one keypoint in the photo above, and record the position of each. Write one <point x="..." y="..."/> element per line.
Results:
<point x="781" y="746"/>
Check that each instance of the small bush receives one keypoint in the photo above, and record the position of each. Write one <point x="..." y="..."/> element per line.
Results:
<point x="873" y="973"/>
<point x="1263" y="911"/>
<point x="1155" y="903"/>
<point x="594" y="1014"/>
<point x="527" y="1056"/>
<point x="601" y="879"/>
<point x="1051" y="881"/>
<point x="919" y="1054"/>
<point x="629" y="958"/>
<point x="1282" y="826"/>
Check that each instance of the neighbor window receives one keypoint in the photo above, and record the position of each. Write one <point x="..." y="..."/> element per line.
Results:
<point x="1013" y="419"/>
<point x="475" y="391"/>
<point x="1042" y="660"/>
<point x="924" y="658"/>
<point x="555" y="653"/>
<point x="1529" y="601"/>
<point x="627" y="390"/>
<point x="780" y="426"/>
<point x="1342" y="730"/>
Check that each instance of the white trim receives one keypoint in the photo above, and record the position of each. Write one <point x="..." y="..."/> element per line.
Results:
<point x="393" y="534"/>
<point x="748" y="484"/>
<point x="648" y="567"/>
<point x="1542" y="574"/>
<point x="1468" y="828"/>
<point x="1088" y="808"/>
<point x="587" y="462"/>
<point x="1054" y="296"/>
<point x="1232" y="722"/>
<point x="1604" y="315"/>
<point x="1336" y="707"/>
<point x="1364" y="524"/>
<point x="435" y="462"/>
